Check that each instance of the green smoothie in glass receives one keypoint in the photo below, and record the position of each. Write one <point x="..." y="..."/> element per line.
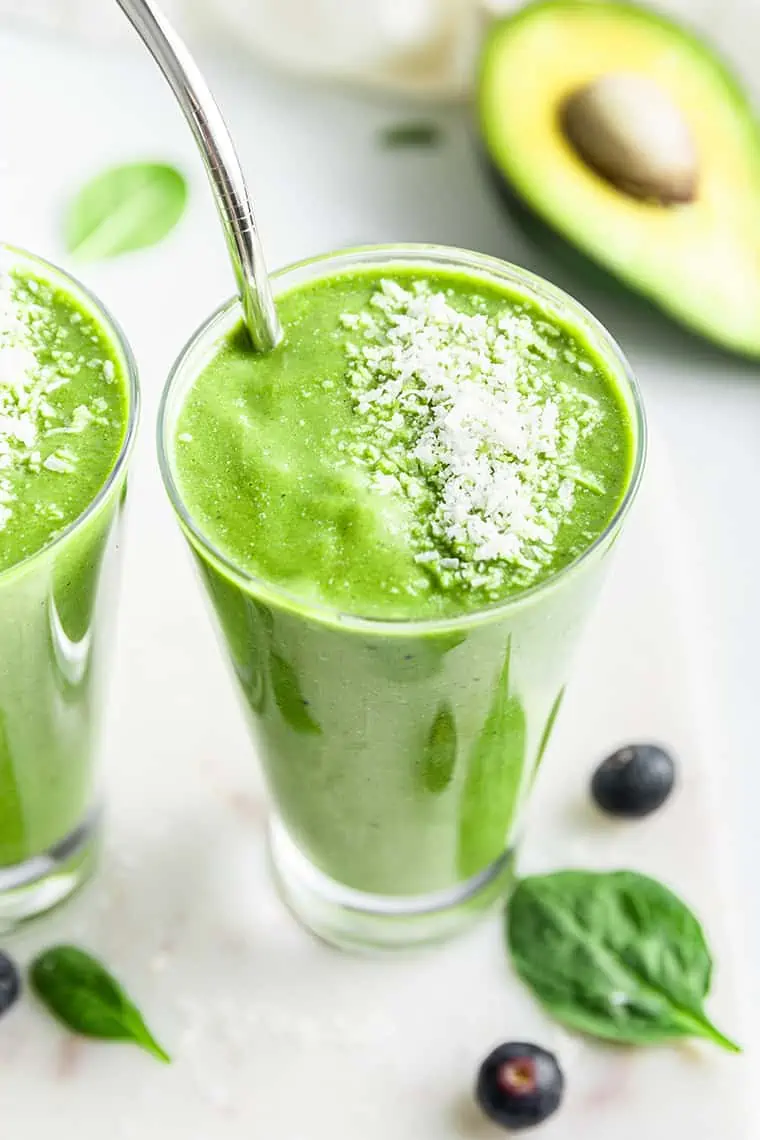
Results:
<point x="67" y="413"/>
<point x="400" y="516"/>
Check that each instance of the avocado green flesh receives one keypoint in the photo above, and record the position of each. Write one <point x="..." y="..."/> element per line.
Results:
<point x="699" y="261"/>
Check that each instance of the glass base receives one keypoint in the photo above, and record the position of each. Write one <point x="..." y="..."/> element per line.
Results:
<point x="353" y="920"/>
<point x="42" y="882"/>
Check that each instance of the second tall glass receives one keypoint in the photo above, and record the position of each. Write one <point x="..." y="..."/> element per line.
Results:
<point x="57" y="602"/>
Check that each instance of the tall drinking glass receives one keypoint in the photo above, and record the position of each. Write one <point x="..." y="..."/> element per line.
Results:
<point x="398" y="753"/>
<point x="57" y="600"/>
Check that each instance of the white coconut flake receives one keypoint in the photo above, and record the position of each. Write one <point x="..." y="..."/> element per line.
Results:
<point x="33" y="365"/>
<point x="462" y="416"/>
<point x="59" y="464"/>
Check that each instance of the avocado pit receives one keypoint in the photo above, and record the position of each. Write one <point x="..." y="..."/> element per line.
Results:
<point x="627" y="129"/>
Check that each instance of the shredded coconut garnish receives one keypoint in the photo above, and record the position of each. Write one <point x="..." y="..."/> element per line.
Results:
<point x="34" y="364"/>
<point x="459" y="416"/>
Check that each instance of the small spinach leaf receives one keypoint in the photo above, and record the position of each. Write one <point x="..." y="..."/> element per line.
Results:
<point x="83" y="996"/>
<point x="411" y="134"/>
<point x="494" y="777"/>
<point x="288" y="696"/>
<point x="616" y="955"/>
<point x="124" y="208"/>
<point x="440" y="752"/>
<point x="547" y="733"/>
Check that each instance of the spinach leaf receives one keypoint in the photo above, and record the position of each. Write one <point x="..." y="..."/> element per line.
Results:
<point x="411" y="134"/>
<point x="494" y="777"/>
<point x="289" y="699"/>
<point x="13" y="838"/>
<point x="124" y="208"/>
<point x="616" y="955"/>
<point x="547" y="733"/>
<point x="246" y="624"/>
<point x="440" y="753"/>
<point x="82" y="995"/>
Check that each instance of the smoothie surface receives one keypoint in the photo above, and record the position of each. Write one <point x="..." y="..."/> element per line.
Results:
<point x="422" y="444"/>
<point x="63" y="408"/>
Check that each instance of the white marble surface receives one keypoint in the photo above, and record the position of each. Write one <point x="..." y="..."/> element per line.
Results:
<point x="182" y="909"/>
<point x="274" y="1034"/>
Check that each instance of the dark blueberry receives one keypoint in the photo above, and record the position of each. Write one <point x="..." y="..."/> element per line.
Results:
<point x="10" y="982"/>
<point x="634" y="781"/>
<point x="519" y="1085"/>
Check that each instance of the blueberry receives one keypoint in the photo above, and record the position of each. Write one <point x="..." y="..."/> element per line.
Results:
<point x="10" y="982"/>
<point x="634" y="781"/>
<point x="519" y="1085"/>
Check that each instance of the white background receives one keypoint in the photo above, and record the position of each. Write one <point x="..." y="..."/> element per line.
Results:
<point x="60" y="105"/>
<point x="706" y="404"/>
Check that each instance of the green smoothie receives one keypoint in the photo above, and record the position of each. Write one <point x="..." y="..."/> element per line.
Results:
<point x="382" y="510"/>
<point x="64" y="415"/>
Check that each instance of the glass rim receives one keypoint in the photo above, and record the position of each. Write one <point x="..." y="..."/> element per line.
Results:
<point x="409" y="253"/>
<point x="115" y="332"/>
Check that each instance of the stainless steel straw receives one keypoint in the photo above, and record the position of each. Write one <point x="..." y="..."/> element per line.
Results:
<point x="222" y="166"/>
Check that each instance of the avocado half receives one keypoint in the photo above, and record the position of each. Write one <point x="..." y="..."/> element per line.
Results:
<point x="698" y="260"/>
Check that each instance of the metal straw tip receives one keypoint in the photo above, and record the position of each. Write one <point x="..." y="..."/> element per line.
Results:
<point x="222" y="166"/>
